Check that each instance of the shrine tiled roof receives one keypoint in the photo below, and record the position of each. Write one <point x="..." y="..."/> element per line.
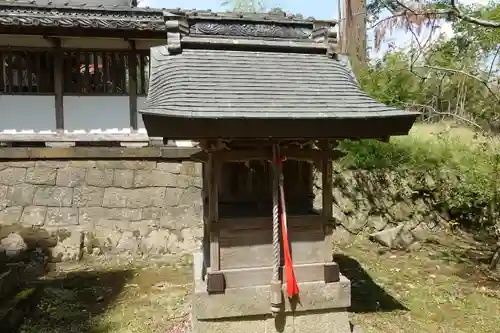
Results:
<point x="238" y="78"/>
<point x="218" y="83"/>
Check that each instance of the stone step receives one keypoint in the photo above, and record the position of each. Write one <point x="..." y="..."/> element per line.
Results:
<point x="14" y="310"/>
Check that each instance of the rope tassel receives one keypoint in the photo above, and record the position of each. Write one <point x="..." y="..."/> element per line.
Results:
<point x="291" y="282"/>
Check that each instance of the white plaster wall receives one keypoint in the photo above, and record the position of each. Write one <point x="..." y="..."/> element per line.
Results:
<point x="141" y="104"/>
<point x="96" y="112"/>
<point x="27" y="112"/>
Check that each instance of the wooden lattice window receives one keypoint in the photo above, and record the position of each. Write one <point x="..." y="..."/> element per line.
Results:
<point x="103" y="72"/>
<point x="26" y="72"/>
<point x="143" y="73"/>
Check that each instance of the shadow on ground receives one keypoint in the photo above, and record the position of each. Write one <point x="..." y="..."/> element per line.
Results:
<point x="366" y="295"/>
<point x="74" y="301"/>
<point x="34" y="299"/>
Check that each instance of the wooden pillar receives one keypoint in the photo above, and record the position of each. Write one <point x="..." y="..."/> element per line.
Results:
<point x="132" y="84"/>
<point x="215" y="278"/>
<point x="58" y="83"/>
<point x="332" y="273"/>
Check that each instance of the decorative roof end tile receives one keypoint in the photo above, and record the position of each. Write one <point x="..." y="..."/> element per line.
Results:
<point x="173" y="29"/>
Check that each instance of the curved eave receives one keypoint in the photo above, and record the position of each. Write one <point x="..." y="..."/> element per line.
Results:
<point x="183" y="128"/>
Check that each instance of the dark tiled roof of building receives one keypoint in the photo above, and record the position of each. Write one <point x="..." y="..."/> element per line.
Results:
<point x="74" y="3"/>
<point x="123" y="15"/>
<point x="114" y="15"/>
<point x="211" y="83"/>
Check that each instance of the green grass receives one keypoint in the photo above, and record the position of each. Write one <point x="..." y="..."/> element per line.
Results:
<point x="128" y="299"/>
<point x="442" y="288"/>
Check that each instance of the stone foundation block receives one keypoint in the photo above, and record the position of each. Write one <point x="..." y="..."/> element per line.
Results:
<point x="306" y="321"/>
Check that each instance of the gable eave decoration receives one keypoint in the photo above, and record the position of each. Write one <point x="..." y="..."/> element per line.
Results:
<point x="84" y="18"/>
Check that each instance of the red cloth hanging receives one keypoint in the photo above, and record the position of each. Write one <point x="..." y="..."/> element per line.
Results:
<point x="291" y="282"/>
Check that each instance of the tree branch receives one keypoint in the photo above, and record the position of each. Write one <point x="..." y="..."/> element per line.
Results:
<point x="458" y="13"/>
<point x="452" y="70"/>
<point x="453" y="11"/>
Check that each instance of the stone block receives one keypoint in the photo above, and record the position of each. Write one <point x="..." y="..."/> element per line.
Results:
<point x="123" y="178"/>
<point x="41" y="176"/>
<point x="401" y="211"/>
<point x="19" y="164"/>
<point x="180" y="217"/>
<point x="242" y="325"/>
<point x="83" y="164"/>
<point x="100" y="177"/>
<point x="129" y="165"/>
<point x="152" y="178"/>
<point x="173" y="196"/>
<point x="12" y="176"/>
<point x="69" y="246"/>
<point x="128" y="243"/>
<point x="10" y="215"/>
<point x="134" y="198"/>
<point x="327" y="321"/>
<point x="115" y="197"/>
<point x="170" y="167"/>
<point x="190" y="196"/>
<point x="21" y="195"/>
<point x="34" y="215"/>
<point x="3" y="196"/>
<point x="91" y="196"/>
<point x="53" y="196"/>
<point x="71" y="176"/>
<point x="13" y="245"/>
<point x="377" y="222"/>
<point x="55" y="164"/>
<point x="255" y="301"/>
<point x="124" y="214"/>
<point x="158" y="242"/>
<point x="61" y="216"/>
<point x="191" y="169"/>
<point x="89" y="217"/>
<point x="154" y="213"/>
<point x="310" y="321"/>
<point x="104" y="239"/>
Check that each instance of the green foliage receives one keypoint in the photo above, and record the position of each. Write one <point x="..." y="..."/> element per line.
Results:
<point x="454" y="78"/>
<point x="464" y="168"/>
<point x="245" y="5"/>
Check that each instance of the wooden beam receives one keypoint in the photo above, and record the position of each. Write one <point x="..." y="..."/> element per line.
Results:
<point x="327" y="201"/>
<point x="215" y="278"/>
<point x="97" y="153"/>
<point x="58" y="83"/>
<point x="213" y="211"/>
<point x="301" y="154"/>
<point x="132" y="84"/>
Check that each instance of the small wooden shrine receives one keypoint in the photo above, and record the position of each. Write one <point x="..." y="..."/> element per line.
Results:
<point x="266" y="97"/>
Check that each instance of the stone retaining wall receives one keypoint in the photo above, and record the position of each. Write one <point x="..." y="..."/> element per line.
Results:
<point x="78" y="207"/>
<point x="397" y="211"/>
<point x="83" y="207"/>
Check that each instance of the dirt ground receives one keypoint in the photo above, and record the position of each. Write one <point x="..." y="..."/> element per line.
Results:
<point x="443" y="287"/>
